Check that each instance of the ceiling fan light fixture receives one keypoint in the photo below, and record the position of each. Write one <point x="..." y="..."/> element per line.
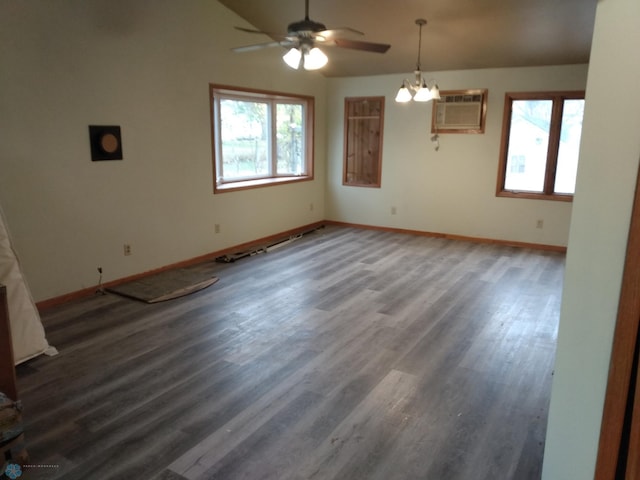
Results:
<point x="314" y="59"/>
<point x="293" y="58"/>
<point x="304" y="35"/>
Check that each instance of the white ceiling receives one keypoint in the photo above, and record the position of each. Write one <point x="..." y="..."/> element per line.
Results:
<point x="460" y="34"/>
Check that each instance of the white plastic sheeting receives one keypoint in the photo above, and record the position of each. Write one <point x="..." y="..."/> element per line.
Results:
<point x="27" y="331"/>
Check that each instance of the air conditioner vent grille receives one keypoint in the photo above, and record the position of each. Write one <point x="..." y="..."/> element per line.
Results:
<point x="460" y="111"/>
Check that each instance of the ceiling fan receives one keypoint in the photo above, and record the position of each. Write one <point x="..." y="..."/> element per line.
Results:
<point x="303" y="38"/>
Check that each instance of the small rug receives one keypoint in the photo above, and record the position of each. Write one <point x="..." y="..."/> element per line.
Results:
<point x="165" y="285"/>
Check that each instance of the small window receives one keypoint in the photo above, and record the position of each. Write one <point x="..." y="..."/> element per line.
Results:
<point x="260" y="138"/>
<point x="540" y="145"/>
<point x="363" y="124"/>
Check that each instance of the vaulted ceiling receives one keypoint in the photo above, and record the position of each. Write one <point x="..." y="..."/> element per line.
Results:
<point x="460" y="34"/>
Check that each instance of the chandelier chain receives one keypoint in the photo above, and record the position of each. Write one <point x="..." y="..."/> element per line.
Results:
<point x="419" y="48"/>
<point x="420" y="22"/>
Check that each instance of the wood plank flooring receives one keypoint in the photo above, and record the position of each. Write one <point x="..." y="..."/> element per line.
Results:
<point x="346" y="354"/>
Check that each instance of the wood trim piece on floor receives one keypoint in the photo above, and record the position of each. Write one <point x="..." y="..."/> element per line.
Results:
<point x="44" y="304"/>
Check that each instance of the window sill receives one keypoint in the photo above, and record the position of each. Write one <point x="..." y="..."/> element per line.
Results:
<point x="535" y="196"/>
<point x="263" y="182"/>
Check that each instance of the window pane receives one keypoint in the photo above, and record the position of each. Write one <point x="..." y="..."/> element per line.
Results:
<point x="244" y="139"/>
<point x="528" y="143"/>
<point x="290" y="146"/>
<point x="569" y="146"/>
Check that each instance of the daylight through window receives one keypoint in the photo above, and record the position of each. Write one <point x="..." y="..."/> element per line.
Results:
<point x="540" y="145"/>
<point x="260" y="138"/>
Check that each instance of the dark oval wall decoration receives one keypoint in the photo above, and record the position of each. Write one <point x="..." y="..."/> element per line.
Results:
<point x="106" y="142"/>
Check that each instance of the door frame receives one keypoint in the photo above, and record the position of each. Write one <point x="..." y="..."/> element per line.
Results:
<point x="621" y="368"/>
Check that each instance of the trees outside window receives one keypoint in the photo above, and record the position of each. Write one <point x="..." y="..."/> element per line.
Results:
<point x="260" y="138"/>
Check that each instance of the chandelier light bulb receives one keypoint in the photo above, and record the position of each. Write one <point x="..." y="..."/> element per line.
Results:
<point x="404" y="95"/>
<point x="435" y="92"/>
<point x="423" y="94"/>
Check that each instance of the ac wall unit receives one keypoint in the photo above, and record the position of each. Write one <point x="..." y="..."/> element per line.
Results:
<point x="460" y="111"/>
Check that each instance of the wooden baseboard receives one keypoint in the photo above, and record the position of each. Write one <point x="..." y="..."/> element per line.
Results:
<point x="86" y="292"/>
<point x="44" y="304"/>
<point x="508" y="243"/>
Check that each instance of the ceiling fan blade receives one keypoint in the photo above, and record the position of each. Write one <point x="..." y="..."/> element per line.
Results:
<point x="332" y="32"/>
<point x="358" y="45"/>
<point x="271" y="34"/>
<point x="251" y="30"/>
<point x="258" y="46"/>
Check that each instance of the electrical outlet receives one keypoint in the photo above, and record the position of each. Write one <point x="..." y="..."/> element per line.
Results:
<point x="539" y="224"/>
<point x="216" y="228"/>
<point x="127" y="249"/>
<point x="311" y="207"/>
<point x="394" y="210"/>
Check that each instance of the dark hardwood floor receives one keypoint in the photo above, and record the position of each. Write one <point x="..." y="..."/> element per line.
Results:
<point x="347" y="354"/>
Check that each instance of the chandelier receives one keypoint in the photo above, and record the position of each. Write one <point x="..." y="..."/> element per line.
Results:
<point x="418" y="89"/>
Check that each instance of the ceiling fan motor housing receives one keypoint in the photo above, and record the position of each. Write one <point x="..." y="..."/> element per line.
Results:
<point x="304" y="26"/>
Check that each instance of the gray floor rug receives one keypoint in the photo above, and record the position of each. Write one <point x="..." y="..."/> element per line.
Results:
<point x="165" y="285"/>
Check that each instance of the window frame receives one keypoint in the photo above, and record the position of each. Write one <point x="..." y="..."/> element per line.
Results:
<point x="557" y="98"/>
<point x="218" y="92"/>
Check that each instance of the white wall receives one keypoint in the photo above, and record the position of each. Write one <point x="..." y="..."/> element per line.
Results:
<point x="602" y="206"/>
<point x="146" y="66"/>
<point x="452" y="190"/>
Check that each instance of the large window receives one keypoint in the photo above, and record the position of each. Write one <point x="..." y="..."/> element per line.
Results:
<point x="260" y="138"/>
<point x="540" y="145"/>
